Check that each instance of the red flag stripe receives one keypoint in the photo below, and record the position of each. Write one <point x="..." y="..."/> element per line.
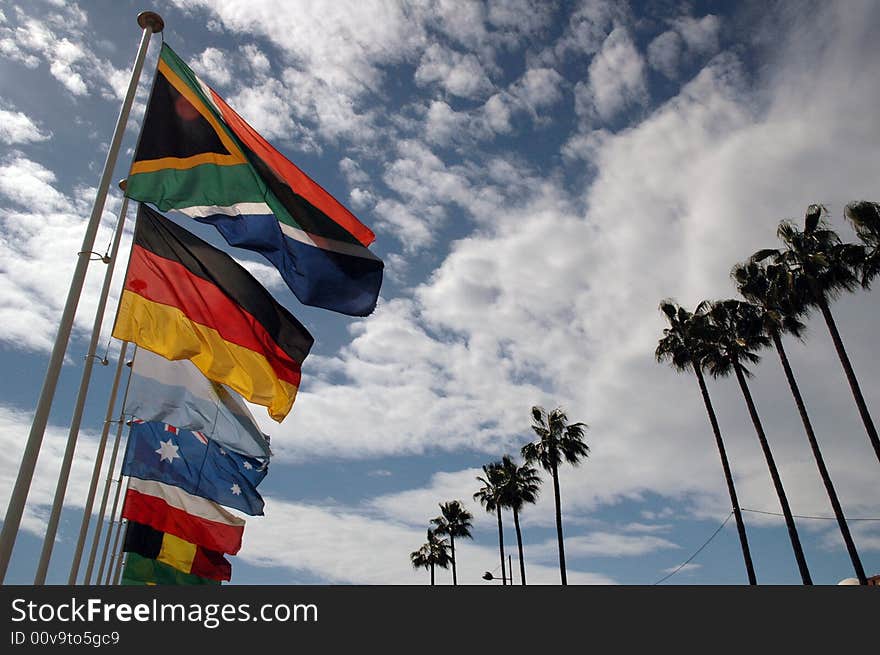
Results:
<point x="160" y="515"/>
<point x="285" y="169"/>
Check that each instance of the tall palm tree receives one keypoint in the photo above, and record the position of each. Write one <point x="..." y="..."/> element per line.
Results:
<point x="865" y="219"/>
<point x="780" y="313"/>
<point x="818" y="267"/>
<point x="737" y="334"/>
<point x="434" y="552"/>
<point x="520" y="486"/>
<point x="557" y="440"/>
<point x="455" y="521"/>
<point x="490" y="497"/>
<point x="683" y="347"/>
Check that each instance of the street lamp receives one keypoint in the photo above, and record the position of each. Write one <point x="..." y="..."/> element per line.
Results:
<point x="505" y="580"/>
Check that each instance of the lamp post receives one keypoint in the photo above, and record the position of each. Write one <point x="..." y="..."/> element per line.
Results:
<point x="488" y="575"/>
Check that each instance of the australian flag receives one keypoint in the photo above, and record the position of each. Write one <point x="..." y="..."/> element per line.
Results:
<point x="196" y="464"/>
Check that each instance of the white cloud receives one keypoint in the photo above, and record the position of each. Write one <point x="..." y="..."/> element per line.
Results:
<point x="538" y="88"/>
<point x="700" y="34"/>
<point x="587" y="28"/>
<point x="457" y="73"/>
<point x="616" y="79"/>
<point x="603" y="544"/>
<point x="442" y="124"/>
<point x="79" y="69"/>
<point x="664" y="53"/>
<point x="301" y="542"/>
<point x="689" y="38"/>
<point x="213" y="65"/>
<point x="14" y="425"/>
<point x="42" y="231"/>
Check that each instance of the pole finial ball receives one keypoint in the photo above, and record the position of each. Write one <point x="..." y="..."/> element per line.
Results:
<point x="152" y="20"/>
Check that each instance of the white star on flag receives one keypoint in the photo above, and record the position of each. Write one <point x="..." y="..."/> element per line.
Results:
<point x="248" y="466"/>
<point x="167" y="451"/>
<point x="236" y="490"/>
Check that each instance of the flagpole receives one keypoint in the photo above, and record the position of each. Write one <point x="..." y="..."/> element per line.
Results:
<point x="100" y="524"/>
<point x="150" y="23"/>
<point x="76" y="420"/>
<point x="120" y="552"/>
<point x="107" y="541"/>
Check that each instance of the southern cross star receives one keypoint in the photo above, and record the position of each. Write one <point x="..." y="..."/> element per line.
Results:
<point x="236" y="490"/>
<point x="167" y="451"/>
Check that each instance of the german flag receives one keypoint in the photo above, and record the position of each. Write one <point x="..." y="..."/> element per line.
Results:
<point x="185" y="299"/>
<point x="175" y="552"/>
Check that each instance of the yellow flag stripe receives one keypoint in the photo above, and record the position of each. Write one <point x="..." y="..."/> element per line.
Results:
<point x="177" y="552"/>
<point x="168" y="332"/>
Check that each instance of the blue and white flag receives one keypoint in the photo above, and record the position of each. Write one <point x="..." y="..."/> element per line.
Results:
<point x="196" y="464"/>
<point x="176" y="392"/>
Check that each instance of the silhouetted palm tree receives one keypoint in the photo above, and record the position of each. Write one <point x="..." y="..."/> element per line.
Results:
<point x="520" y="486"/>
<point x="557" y="440"/>
<point x="865" y="219"/>
<point x="737" y="335"/>
<point x="683" y="346"/>
<point x="490" y="497"/>
<point x="780" y="313"/>
<point x="434" y="552"/>
<point x="455" y="521"/>
<point x="818" y="267"/>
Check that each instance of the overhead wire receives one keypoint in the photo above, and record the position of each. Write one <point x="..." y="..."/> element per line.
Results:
<point x="697" y="552"/>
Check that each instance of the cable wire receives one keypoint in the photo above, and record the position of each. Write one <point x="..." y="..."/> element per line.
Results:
<point x="800" y="516"/>
<point x="688" y="560"/>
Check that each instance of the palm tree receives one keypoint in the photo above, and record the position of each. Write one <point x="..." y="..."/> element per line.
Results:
<point x="737" y="334"/>
<point x="490" y="497"/>
<point x="865" y="219"/>
<point x="682" y="346"/>
<point x="780" y="313"/>
<point x="818" y="267"/>
<point x="520" y="486"/>
<point x="455" y="521"/>
<point x="435" y="552"/>
<point x="557" y="439"/>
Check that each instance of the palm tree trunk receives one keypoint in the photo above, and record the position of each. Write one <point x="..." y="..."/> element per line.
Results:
<point x="501" y="547"/>
<point x="432" y="574"/>
<point x="452" y="546"/>
<point x="555" y="475"/>
<point x="820" y="462"/>
<point x="774" y="474"/>
<point x="522" y="564"/>
<point x="851" y="377"/>
<point x="737" y="513"/>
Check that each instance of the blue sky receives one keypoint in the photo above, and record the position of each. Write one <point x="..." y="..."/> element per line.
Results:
<point x="539" y="176"/>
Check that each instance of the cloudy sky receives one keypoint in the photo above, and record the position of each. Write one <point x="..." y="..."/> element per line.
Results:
<point x="539" y="177"/>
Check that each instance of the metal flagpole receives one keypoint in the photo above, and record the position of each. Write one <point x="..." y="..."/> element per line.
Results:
<point x="111" y="570"/>
<point x="150" y="23"/>
<point x="76" y="420"/>
<point x="99" y="457"/>
<point x="118" y="523"/>
<point x="120" y="553"/>
<point x="100" y="524"/>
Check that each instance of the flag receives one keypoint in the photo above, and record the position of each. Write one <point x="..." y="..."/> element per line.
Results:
<point x="141" y="570"/>
<point x="196" y="464"/>
<point x="198" y="157"/>
<point x="184" y="299"/>
<point x="176" y="392"/>
<point x="173" y="551"/>
<point x="195" y="519"/>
